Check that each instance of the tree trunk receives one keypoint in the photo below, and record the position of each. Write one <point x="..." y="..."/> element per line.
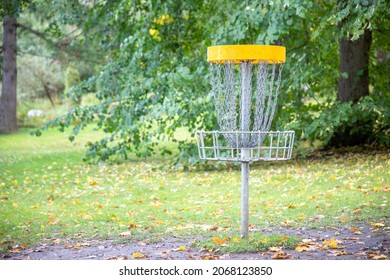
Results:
<point x="353" y="85"/>
<point x="8" y="120"/>
<point x="354" y="58"/>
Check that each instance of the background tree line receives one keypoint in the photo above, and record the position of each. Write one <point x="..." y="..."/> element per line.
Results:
<point x="151" y="76"/>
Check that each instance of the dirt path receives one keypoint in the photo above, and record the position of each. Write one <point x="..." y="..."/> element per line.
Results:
<point x="355" y="243"/>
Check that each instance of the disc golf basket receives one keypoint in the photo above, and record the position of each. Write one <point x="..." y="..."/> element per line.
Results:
<point x="245" y="82"/>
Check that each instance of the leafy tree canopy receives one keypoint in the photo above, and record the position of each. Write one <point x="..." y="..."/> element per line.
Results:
<point x="155" y="76"/>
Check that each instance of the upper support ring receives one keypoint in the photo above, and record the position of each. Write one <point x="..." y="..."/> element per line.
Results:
<point x="239" y="53"/>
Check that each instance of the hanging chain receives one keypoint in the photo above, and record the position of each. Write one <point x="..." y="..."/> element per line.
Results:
<point x="236" y="108"/>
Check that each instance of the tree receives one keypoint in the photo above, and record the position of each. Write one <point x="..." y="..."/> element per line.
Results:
<point x="155" y="79"/>
<point x="65" y="46"/>
<point x="8" y="121"/>
<point x="354" y="63"/>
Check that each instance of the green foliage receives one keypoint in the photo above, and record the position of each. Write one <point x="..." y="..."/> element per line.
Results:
<point x="12" y="7"/>
<point x="368" y="119"/>
<point x="72" y="78"/>
<point x="155" y="79"/>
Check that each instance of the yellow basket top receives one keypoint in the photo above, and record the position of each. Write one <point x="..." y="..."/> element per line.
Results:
<point x="254" y="53"/>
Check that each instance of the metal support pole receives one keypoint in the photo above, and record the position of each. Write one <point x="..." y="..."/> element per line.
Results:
<point x="246" y="90"/>
<point x="244" y="199"/>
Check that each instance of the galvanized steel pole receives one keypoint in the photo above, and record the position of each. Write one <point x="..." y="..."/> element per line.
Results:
<point x="246" y="90"/>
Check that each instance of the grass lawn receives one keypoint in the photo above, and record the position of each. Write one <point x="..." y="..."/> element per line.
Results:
<point x="47" y="192"/>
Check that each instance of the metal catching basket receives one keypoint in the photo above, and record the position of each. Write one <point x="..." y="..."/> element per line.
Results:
<point x="245" y="82"/>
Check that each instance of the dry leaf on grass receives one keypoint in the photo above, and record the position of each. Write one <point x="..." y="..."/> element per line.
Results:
<point x="209" y="257"/>
<point x="281" y="256"/>
<point x="219" y="241"/>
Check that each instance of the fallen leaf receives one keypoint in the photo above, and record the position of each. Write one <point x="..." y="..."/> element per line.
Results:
<point x="139" y="256"/>
<point x="281" y="256"/>
<point x="132" y="226"/>
<point x="14" y="249"/>
<point x="181" y="248"/>
<point x="360" y="254"/>
<point x="351" y="238"/>
<point x="54" y="222"/>
<point x="353" y="229"/>
<point x="332" y="243"/>
<point x="219" y="241"/>
<point x="287" y="223"/>
<point x="209" y="257"/>
<point x="358" y="232"/>
<point x="274" y="249"/>
<point x="118" y="258"/>
<point x="337" y="253"/>
<point x="344" y="219"/>
<point x="77" y="245"/>
<point x="377" y="257"/>
<point x="357" y="211"/>
<point x="377" y="224"/>
<point x="284" y="238"/>
<point x="302" y="247"/>
<point x="236" y="240"/>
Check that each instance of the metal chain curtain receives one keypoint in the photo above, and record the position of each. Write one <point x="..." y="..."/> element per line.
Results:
<point x="252" y="91"/>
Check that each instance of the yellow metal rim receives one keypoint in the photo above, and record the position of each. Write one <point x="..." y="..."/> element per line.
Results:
<point x="254" y="53"/>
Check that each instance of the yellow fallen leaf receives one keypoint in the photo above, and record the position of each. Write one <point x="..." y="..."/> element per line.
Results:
<point x="274" y="249"/>
<point x="219" y="241"/>
<point x="357" y="211"/>
<point x="344" y="219"/>
<point x="332" y="243"/>
<point x="377" y="224"/>
<point x="139" y="256"/>
<point x="358" y="232"/>
<point x="236" y="240"/>
<point x="86" y="216"/>
<point x="54" y="222"/>
<point x="181" y="248"/>
<point x="302" y="247"/>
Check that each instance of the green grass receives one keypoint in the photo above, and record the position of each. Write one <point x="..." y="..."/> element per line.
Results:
<point x="257" y="242"/>
<point x="48" y="193"/>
